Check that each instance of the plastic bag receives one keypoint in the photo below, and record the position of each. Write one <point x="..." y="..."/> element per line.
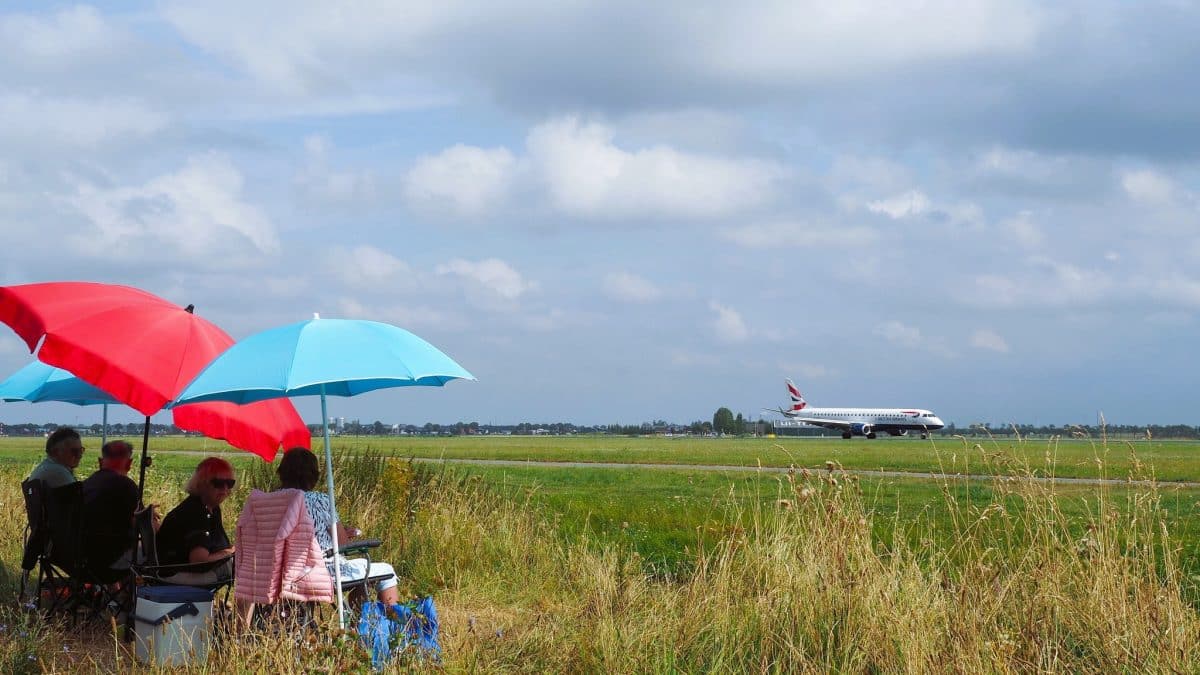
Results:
<point x="386" y="631"/>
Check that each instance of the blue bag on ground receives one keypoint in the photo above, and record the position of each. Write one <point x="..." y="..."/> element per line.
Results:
<point x="385" y="630"/>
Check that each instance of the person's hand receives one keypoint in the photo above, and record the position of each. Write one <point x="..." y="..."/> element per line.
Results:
<point x="355" y="533"/>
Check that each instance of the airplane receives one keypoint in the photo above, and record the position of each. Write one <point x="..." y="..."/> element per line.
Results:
<point x="859" y="421"/>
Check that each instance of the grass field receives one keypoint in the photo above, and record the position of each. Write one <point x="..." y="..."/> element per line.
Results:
<point x="664" y="570"/>
<point x="1078" y="458"/>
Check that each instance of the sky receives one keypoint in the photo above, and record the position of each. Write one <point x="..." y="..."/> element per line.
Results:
<point x="615" y="212"/>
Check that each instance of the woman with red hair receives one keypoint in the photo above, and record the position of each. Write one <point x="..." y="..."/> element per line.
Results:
<point x="193" y="531"/>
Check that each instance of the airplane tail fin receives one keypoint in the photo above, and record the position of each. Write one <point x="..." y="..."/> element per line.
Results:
<point x="798" y="401"/>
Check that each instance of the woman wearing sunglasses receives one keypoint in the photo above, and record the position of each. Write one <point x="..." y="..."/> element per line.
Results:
<point x="193" y="532"/>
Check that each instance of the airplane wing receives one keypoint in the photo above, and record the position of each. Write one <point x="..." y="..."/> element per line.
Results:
<point x="836" y="425"/>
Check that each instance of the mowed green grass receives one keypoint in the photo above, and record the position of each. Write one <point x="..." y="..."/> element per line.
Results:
<point x="1165" y="460"/>
<point x="666" y="514"/>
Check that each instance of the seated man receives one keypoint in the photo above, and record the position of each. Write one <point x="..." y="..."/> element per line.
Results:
<point x="64" y="451"/>
<point x="109" y="500"/>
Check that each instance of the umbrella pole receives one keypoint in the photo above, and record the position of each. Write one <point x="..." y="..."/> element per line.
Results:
<point x="337" y="558"/>
<point x="142" y="473"/>
<point x="104" y="433"/>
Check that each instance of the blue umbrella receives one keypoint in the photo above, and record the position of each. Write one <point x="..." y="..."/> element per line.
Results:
<point x="38" y="383"/>
<point x="322" y="357"/>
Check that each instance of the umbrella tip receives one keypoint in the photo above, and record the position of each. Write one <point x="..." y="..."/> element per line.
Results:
<point x="190" y="309"/>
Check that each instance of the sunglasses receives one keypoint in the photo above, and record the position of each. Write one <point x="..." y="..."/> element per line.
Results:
<point x="222" y="482"/>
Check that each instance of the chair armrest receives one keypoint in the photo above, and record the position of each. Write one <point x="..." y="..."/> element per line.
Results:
<point x="180" y="567"/>
<point x="355" y="546"/>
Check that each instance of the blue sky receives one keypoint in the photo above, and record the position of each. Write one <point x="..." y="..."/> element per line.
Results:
<point x="613" y="212"/>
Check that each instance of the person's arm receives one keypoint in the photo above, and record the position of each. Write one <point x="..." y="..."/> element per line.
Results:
<point x="347" y="533"/>
<point x="201" y="554"/>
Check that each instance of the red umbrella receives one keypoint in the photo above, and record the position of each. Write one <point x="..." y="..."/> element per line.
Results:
<point x="143" y="350"/>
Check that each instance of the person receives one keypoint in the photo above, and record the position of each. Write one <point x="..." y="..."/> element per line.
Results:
<point x="64" y="451"/>
<point x="193" y="531"/>
<point x="109" y="501"/>
<point x="299" y="470"/>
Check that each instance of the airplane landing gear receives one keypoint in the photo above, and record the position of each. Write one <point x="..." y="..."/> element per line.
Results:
<point x="846" y="435"/>
<point x="924" y="436"/>
<point x="871" y="435"/>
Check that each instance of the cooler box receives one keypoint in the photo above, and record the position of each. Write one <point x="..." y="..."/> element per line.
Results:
<point x="172" y="624"/>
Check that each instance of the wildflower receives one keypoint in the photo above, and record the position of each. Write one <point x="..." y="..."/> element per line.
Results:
<point x="805" y="493"/>
<point x="828" y="465"/>
<point x="784" y="503"/>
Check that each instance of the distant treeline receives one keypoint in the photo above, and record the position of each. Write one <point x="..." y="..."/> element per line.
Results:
<point x="723" y="423"/>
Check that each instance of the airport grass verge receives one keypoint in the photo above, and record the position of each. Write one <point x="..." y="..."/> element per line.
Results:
<point x="799" y="581"/>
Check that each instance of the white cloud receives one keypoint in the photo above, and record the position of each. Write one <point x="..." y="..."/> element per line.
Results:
<point x="799" y="234"/>
<point x="405" y="315"/>
<point x="468" y="180"/>
<point x="197" y="215"/>
<point x="318" y="180"/>
<point x="1043" y="282"/>
<point x="74" y="122"/>
<point x="902" y="334"/>
<point x="630" y="287"/>
<point x="1024" y="230"/>
<point x="988" y="339"/>
<point x="906" y="205"/>
<point x="577" y="169"/>
<point x="802" y="41"/>
<point x="367" y="267"/>
<point x="728" y="325"/>
<point x="586" y="174"/>
<point x="65" y="38"/>
<point x="1148" y="186"/>
<point x="492" y="274"/>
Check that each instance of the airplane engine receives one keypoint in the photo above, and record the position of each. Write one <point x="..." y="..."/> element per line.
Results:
<point x="867" y="430"/>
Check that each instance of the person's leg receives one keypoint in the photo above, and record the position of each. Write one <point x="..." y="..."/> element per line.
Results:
<point x="388" y="589"/>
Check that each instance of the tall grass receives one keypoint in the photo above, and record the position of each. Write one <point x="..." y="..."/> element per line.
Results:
<point x="795" y="584"/>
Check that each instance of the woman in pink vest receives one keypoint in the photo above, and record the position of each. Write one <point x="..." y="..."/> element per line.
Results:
<point x="298" y="469"/>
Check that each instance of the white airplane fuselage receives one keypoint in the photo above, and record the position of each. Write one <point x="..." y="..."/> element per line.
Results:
<point x="861" y="421"/>
<point x="869" y="421"/>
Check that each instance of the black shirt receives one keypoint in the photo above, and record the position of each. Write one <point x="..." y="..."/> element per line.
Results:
<point x="109" y="499"/>
<point x="187" y="526"/>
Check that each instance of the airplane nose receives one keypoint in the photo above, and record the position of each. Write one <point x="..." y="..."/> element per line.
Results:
<point x="937" y="423"/>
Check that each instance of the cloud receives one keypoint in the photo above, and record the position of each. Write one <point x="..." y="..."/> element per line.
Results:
<point x="45" y="122"/>
<point x="987" y="339"/>
<point x="902" y="334"/>
<point x="1024" y="230"/>
<point x="492" y="274"/>
<point x="369" y="268"/>
<point x="470" y="181"/>
<point x="196" y="215"/>
<point x="799" y="234"/>
<point x="909" y="204"/>
<point x="62" y="39"/>
<point x="576" y="169"/>
<point x="1042" y="282"/>
<point x="318" y="182"/>
<point x="586" y="174"/>
<point x="1149" y="186"/>
<point x="630" y="287"/>
<point x="728" y="325"/>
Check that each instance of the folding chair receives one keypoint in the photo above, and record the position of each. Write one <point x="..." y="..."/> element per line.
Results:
<point x="148" y="571"/>
<point x="280" y="563"/>
<point x="53" y="544"/>
<point x="151" y="572"/>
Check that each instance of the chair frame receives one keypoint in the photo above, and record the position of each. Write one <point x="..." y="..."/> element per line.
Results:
<point x="54" y="544"/>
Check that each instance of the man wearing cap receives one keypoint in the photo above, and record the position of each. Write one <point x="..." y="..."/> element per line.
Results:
<point x="64" y="451"/>
<point x="109" y="500"/>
